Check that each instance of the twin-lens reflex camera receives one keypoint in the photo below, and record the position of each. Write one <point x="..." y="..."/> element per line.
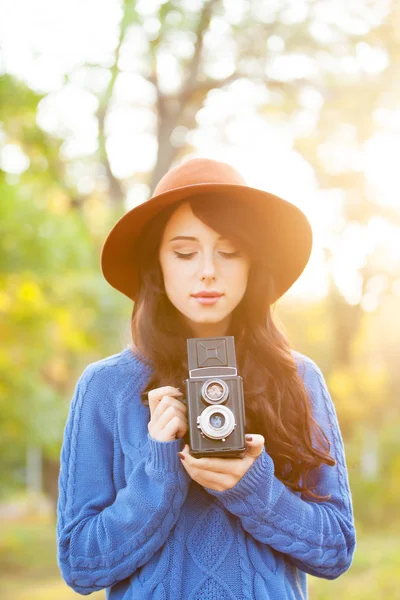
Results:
<point x="215" y="399"/>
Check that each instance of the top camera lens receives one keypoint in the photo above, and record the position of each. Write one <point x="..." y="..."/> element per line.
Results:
<point x="214" y="391"/>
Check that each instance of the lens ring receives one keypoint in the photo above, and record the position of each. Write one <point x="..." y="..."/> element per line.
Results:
<point x="215" y="391"/>
<point x="214" y="432"/>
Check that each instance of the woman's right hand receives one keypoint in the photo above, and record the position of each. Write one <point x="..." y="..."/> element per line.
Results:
<point x="168" y="419"/>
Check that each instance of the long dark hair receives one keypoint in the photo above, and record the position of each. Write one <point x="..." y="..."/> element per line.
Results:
<point x="276" y="401"/>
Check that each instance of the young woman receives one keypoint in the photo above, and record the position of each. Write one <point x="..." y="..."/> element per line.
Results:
<point x="137" y="513"/>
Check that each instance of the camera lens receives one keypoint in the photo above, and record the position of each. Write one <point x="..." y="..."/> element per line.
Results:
<point x="214" y="391"/>
<point x="216" y="423"/>
<point x="217" y="420"/>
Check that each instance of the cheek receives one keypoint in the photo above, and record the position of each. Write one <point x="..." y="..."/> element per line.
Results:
<point x="175" y="274"/>
<point x="238" y="276"/>
<point x="238" y="284"/>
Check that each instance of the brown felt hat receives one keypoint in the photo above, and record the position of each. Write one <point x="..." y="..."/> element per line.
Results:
<point x="286" y="227"/>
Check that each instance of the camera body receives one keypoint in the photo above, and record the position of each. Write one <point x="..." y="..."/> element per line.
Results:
<point x="215" y="399"/>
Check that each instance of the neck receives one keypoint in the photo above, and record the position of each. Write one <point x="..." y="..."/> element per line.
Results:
<point x="210" y="330"/>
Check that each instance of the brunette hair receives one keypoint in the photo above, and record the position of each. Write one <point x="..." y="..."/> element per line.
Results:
<point x="276" y="402"/>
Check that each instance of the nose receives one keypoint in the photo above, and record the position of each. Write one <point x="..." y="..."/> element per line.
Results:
<point x="207" y="270"/>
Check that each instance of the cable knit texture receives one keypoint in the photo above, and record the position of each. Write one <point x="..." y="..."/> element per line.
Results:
<point x="130" y="519"/>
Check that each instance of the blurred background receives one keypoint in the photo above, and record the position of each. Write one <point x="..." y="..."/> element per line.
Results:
<point x="98" y="99"/>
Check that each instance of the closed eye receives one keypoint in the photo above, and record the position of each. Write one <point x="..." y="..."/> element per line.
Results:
<point x="230" y="254"/>
<point x="183" y="256"/>
<point x="190" y="254"/>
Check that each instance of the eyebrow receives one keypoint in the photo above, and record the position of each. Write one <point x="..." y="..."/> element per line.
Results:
<point x="188" y="237"/>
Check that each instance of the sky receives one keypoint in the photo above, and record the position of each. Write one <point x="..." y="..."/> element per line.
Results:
<point x="42" y="41"/>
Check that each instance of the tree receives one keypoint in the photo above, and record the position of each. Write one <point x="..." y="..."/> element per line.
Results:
<point x="54" y="305"/>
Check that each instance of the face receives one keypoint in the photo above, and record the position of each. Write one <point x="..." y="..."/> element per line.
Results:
<point x="203" y="261"/>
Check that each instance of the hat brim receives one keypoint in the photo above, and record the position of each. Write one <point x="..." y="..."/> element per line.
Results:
<point x="289" y="233"/>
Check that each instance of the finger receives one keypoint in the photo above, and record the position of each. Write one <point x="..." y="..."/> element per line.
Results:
<point x="176" y="427"/>
<point x="154" y="396"/>
<point x="223" y="466"/>
<point x="165" y="402"/>
<point x="167" y="416"/>
<point x="254" y="446"/>
<point x="210" y="479"/>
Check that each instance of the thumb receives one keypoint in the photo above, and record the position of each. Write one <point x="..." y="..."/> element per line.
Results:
<point x="255" y="446"/>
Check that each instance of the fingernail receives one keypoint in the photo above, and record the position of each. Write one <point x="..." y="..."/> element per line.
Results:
<point x="249" y="438"/>
<point x="181" y="456"/>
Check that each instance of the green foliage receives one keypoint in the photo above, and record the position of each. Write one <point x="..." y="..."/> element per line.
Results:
<point x="56" y="311"/>
<point x="373" y="574"/>
<point x="359" y="394"/>
<point x="37" y="240"/>
<point x="18" y="114"/>
<point x="375" y="498"/>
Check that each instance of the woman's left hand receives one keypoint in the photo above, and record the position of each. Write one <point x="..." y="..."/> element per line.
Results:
<point x="222" y="474"/>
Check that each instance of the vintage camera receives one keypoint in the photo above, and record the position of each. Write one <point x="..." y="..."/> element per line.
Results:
<point x="215" y="399"/>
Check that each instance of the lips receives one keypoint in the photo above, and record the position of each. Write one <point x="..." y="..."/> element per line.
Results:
<point x="205" y="294"/>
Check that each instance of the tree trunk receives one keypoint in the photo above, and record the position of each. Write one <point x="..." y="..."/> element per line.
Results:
<point x="51" y="470"/>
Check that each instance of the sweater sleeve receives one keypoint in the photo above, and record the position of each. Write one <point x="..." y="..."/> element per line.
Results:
<point x="104" y="535"/>
<point x="318" y="537"/>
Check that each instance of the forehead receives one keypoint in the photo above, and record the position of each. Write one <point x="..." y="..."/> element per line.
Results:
<point x="184" y="221"/>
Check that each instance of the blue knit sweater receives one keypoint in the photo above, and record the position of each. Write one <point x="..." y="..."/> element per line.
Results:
<point x="130" y="519"/>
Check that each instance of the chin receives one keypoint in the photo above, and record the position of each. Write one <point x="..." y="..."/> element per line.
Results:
<point x="201" y="321"/>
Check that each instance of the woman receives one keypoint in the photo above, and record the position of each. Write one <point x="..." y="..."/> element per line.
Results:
<point x="137" y="513"/>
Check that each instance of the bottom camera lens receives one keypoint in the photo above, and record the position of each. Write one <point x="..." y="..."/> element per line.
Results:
<point x="216" y="422"/>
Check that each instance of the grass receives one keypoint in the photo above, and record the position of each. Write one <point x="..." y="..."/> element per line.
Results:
<point x="28" y="565"/>
<point x="374" y="574"/>
<point x="29" y="571"/>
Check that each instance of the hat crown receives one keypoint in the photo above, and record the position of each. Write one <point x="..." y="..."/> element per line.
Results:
<point x="198" y="171"/>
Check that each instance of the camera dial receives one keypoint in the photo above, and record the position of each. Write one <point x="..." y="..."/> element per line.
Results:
<point x="216" y="422"/>
<point x="215" y="391"/>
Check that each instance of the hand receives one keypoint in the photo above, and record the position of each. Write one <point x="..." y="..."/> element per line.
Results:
<point x="168" y="414"/>
<point x="222" y="474"/>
